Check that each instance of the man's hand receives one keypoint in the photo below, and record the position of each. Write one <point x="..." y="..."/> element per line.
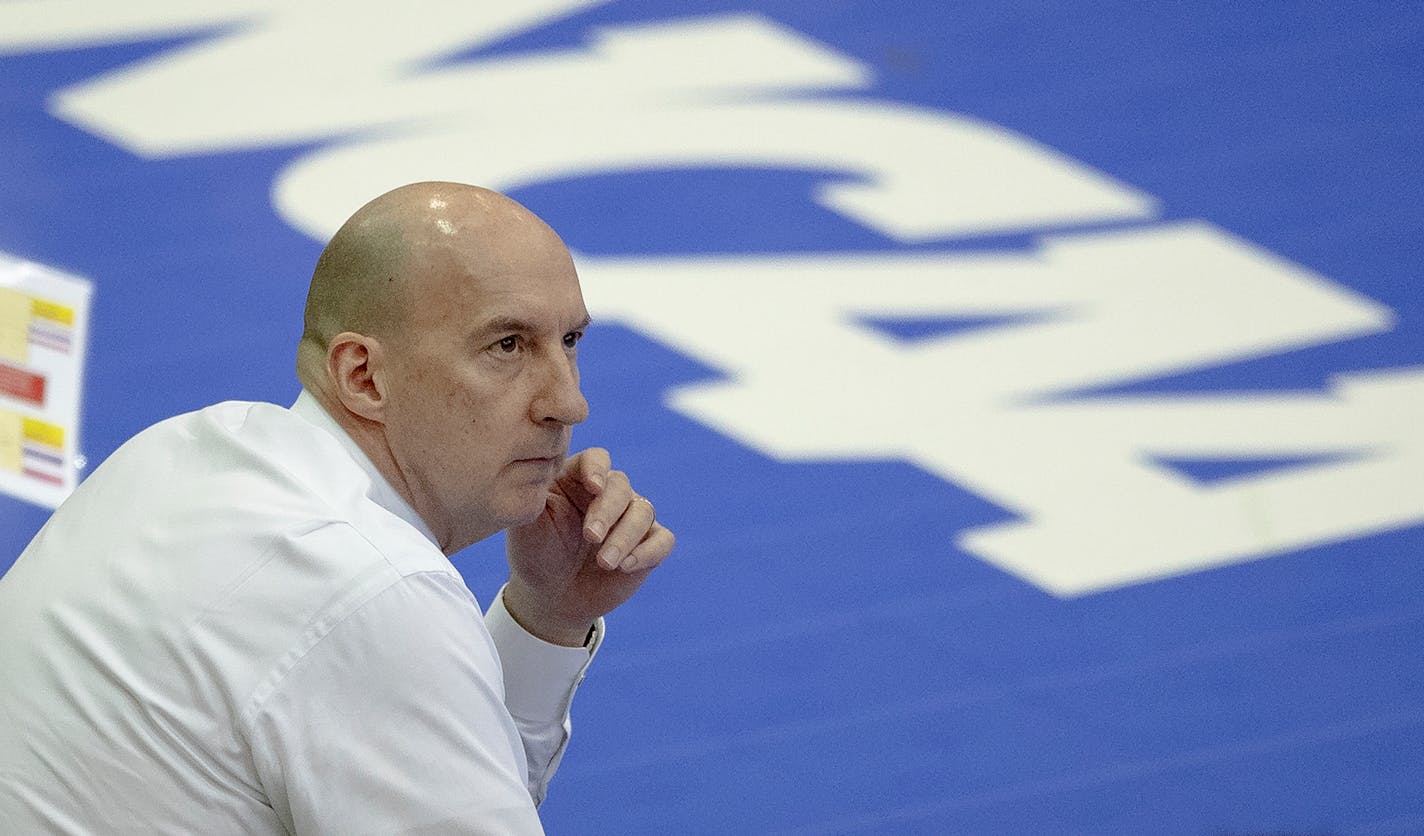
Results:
<point x="589" y="551"/>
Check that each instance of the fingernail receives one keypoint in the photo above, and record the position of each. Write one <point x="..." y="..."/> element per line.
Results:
<point x="609" y="557"/>
<point x="596" y="531"/>
<point x="629" y="563"/>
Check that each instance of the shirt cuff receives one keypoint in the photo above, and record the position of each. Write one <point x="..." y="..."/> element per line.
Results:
<point x="539" y="678"/>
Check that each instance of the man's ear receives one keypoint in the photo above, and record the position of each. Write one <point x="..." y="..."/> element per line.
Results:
<point x="355" y="363"/>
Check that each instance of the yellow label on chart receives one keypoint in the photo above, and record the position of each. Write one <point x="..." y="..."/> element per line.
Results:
<point x="51" y="435"/>
<point x="10" y="439"/>
<point x="16" y="308"/>
<point x="53" y="311"/>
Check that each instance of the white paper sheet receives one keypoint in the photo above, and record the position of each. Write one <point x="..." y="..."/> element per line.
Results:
<point x="44" y="316"/>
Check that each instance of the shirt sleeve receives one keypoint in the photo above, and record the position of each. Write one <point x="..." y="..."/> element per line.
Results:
<point x="539" y="682"/>
<point x="394" y="720"/>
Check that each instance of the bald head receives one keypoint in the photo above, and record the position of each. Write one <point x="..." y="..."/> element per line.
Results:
<point x="367" y="276"/>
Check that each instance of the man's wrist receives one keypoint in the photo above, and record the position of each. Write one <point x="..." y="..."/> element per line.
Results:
<point x="543" y="627"/>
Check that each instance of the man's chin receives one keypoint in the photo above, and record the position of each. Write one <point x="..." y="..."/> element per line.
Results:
<point x="530" y="510"/>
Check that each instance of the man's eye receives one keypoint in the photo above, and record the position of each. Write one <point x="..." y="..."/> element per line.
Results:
<point x="572" y="338"/>
<point x="508" y="345"/>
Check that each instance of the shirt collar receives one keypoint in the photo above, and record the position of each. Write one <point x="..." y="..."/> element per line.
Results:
<point x="381" y="492"/>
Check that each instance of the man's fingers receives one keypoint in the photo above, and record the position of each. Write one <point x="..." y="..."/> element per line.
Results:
<point x="605" y="510"/>
<point x="591" y="468"/>
<point x="584" y="477"/>
<point x="633" y="525"/>
<point x="616" y="519"/>
<point x="651" y="552"/>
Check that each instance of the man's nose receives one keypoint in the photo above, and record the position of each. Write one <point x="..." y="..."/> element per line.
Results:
<point x="559" y="399"/>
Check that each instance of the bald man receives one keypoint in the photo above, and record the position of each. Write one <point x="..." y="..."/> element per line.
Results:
<point x="245" y="620"/>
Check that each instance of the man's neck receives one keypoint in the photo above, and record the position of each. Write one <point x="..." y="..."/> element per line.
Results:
<point x="366" y="439"/>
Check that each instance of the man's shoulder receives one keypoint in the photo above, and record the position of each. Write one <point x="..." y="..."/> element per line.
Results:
<point x="210" y="433"/>
<point x="231" y="445"/>
<point x="237" y="469"/>
<point x="300" y="473"/>
<point x="237" y="482"/>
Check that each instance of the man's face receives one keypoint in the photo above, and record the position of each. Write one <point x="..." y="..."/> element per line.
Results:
<point x="482" y="381"/>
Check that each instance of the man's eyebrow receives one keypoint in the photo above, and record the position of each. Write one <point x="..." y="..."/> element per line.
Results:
<point x="506" y="323"/>
<point x="513" y="324"/>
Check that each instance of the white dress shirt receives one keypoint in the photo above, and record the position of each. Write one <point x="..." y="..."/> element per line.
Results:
<point x="236" y="625"/>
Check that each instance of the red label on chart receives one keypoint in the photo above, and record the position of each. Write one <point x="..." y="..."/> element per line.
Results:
<point x="18" y="383"/>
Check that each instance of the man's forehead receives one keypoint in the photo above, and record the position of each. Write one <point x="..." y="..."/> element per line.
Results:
<point x="528" y="308"/>
<point x="490" y="278"/>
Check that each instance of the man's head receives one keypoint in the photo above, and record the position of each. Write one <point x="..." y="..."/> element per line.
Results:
<point x="441" y="332"/>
